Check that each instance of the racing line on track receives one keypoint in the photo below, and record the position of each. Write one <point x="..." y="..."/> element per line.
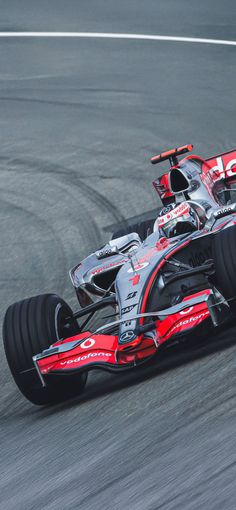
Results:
<point x="104" y="35"/>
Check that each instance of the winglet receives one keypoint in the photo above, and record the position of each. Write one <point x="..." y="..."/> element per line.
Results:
<point x="171" y="155"/>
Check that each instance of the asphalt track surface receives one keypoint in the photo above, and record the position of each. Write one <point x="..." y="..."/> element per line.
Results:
<point x="79" y="120"/>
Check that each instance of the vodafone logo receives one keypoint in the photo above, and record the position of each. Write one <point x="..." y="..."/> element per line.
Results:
<point x="175" y="213"/>
<point x="187" y="310"/>
<point x="138" y="267"/>
<point x="85" y="357"/>
<point x="223" y="166"/>
<point x="219" y="167"/>
<point x="191" y="320"/>
<point x="87" y="343"/>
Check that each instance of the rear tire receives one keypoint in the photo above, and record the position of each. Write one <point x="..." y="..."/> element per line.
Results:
<point x="224" y="256"/>
<point x="29" y="327"/>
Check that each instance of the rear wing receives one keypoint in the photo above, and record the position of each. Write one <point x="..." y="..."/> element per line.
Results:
<point x="220" y="168"/>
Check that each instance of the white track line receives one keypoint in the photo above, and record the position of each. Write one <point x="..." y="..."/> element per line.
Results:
<point x="101" y="35"/>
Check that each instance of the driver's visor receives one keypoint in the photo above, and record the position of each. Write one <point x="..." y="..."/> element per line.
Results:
<point x="167" y="224"/>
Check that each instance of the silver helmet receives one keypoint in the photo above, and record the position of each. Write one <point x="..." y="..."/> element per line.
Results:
<point x="175" y="220"/>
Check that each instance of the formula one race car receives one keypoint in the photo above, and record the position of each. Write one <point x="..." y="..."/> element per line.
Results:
<point x="174" y="282"/>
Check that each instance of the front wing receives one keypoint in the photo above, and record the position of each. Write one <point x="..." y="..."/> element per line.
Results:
<point x="87" y="350"/>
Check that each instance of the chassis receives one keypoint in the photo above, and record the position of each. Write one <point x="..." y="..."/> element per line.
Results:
<point x="158" y="291"/>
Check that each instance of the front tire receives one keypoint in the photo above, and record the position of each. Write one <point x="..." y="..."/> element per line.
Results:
<point x="224" y="257"/>
<point x="29" y="327"/>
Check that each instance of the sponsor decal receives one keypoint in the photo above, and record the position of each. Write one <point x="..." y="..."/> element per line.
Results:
<point x="146" y="258"/>
<point x="106" y="252"/>
<point x="131" y="295"/>
<point x="127" y="309"/>
<point x="135" y="279"/>
<point x="187" y="310"/>
<point x="221" y="168"/>
<point x="224" y="211"/>
<point x="87" y="343"/>
<point x="138" y="267"/>
<point x="108" y="266"/>
<point x="190" y="320"/>
<point x="127" y="336"/>
<point x="175" y="213"/>
<point x="86" y="356"/>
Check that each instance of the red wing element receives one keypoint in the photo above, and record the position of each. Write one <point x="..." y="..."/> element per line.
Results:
<point x="171" y="155"/>
<point x="222" y="166"/>
<point x="161" y="185"/>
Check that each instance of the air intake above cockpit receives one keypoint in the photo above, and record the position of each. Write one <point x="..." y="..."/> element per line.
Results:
<point x="177" y="181"/>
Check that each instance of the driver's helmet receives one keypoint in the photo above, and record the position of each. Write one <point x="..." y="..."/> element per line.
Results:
<point x="176" y="220"/>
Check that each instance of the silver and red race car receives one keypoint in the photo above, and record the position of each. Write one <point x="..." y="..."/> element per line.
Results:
<point x="159" y="282"/>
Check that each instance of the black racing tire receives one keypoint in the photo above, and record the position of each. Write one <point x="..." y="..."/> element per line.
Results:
<point x="143" y="229"/>
<point x="29" y="327"/>
<point x="224" y="257"/>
